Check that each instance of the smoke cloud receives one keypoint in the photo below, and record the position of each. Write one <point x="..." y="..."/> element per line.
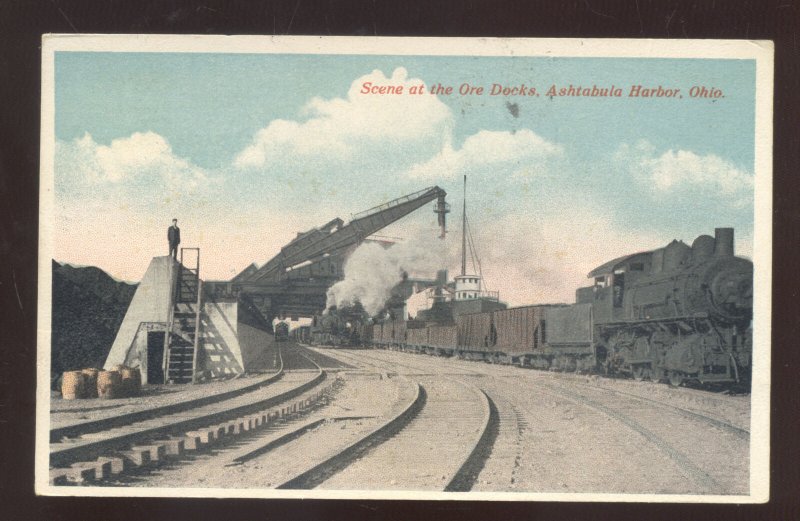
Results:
<point x="373" y="270"/>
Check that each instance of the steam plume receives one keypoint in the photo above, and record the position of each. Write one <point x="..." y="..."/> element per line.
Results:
<point x="372" y="270"/>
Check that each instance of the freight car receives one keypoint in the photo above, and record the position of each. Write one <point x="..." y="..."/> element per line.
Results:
<point x="302" y="335"/>
<point x="678" y="313"/>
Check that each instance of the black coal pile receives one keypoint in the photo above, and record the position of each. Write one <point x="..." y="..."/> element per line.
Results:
<point x="88" y="308"/>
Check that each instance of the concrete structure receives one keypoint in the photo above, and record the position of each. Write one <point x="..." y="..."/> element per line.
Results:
<point x="148" y="312"/>
<point x="140" y="341"/>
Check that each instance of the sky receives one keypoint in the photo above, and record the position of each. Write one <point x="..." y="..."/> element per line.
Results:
<point x="246" y="150"/>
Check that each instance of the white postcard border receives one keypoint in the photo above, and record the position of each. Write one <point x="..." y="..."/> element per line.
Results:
<point x="761" y="51"/>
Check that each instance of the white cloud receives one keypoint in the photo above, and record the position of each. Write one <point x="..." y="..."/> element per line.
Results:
<point x="142" y="156"/>
<point x="544" y="256"/>
<point x="122" y="239"/>
<point x="676" y="169"/>
<point x="359" y="126"/>
<point x="521" y="153"/>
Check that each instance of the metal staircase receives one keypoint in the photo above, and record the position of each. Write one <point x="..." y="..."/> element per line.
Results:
<point x="183" y="330"/>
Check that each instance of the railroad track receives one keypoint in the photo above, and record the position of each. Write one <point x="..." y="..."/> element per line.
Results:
<point x="673" y="455"/>
<point x="656" y="427"/>
<point x="95" y="455"/>
<point x="708" y="389"/>
<point x="438" y="449"/>
<point x="419" y="370"/>
<point x="78" y="429"/>
<point x="739" y="432"/>
<point x="443" y="446"/>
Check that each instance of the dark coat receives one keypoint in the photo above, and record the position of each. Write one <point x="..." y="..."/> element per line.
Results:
<point x="174" y="235"/>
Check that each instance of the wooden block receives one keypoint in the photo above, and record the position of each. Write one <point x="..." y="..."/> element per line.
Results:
<point x="81" y="473"/>
<point x="115" y="465"/>
<point x="157" y="451"/>
<point x="58" y="477"/>
<point x="192" y="441"/>
<point x="174" y="446"/>
<point x="137" y="457"/>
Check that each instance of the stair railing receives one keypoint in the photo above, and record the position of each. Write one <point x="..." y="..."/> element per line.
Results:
<point x="197" y="329"/>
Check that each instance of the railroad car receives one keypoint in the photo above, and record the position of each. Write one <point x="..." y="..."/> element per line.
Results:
<point x="302" y="334"/>
<point x="678" y="313"/>
<point x="281" y="332"/>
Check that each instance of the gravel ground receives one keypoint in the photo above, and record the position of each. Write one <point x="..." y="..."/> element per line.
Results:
<point x="427" y="453"/>
<point x="571" y="433"/>
<point x="556" y="433"/>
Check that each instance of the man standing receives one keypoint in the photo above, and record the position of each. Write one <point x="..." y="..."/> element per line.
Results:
<point x="174" y="238"/>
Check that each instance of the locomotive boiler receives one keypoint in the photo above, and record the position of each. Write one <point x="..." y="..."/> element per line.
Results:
<point x="680" y="312"/>
<point x="339" y="327"/>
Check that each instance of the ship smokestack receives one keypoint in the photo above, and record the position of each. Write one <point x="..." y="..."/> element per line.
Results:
<point x="723" y="246"/>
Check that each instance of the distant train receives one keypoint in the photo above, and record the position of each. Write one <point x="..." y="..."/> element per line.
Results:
<point x="677" y="313"/>
<point x="336" y="328"/>
<point x="281" y="331"/>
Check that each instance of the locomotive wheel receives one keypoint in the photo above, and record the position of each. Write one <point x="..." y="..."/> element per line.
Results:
<point x="656" y="374"/>
<point x="675" y="378"/>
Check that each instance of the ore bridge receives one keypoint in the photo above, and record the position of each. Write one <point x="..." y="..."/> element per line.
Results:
<point x="294" y="283"/>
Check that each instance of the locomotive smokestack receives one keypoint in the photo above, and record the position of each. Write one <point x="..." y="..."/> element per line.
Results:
<point x="723" y="242"/>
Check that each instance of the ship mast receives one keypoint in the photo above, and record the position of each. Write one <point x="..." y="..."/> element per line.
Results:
<point x="464" y="232"/>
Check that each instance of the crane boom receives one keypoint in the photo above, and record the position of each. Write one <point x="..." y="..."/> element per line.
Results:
<point x="335" y="236"/>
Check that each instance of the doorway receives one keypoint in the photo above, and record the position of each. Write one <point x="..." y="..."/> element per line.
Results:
<point x="155" y="357"/>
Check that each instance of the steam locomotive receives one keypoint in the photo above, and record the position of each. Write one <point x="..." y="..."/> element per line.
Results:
<point x="338" y="327"/>
<point x="677" y="313"/>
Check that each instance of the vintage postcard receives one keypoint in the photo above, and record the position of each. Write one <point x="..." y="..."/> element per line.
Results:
<point x="405" y="268"/>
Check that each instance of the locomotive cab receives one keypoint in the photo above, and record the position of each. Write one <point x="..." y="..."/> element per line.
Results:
<point x="680" y="311"/>
<point x="607" y="295"/>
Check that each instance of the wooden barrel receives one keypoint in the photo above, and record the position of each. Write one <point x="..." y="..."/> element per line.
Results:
<point x="73" y="385"/>
<point x="131" y="381"/>
<point x="109" y="384"/>
<point x="90" y="381"/>
<point x="137" y="381"/>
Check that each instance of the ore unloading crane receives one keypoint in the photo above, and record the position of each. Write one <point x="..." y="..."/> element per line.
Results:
<point x="295" y="282"/>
